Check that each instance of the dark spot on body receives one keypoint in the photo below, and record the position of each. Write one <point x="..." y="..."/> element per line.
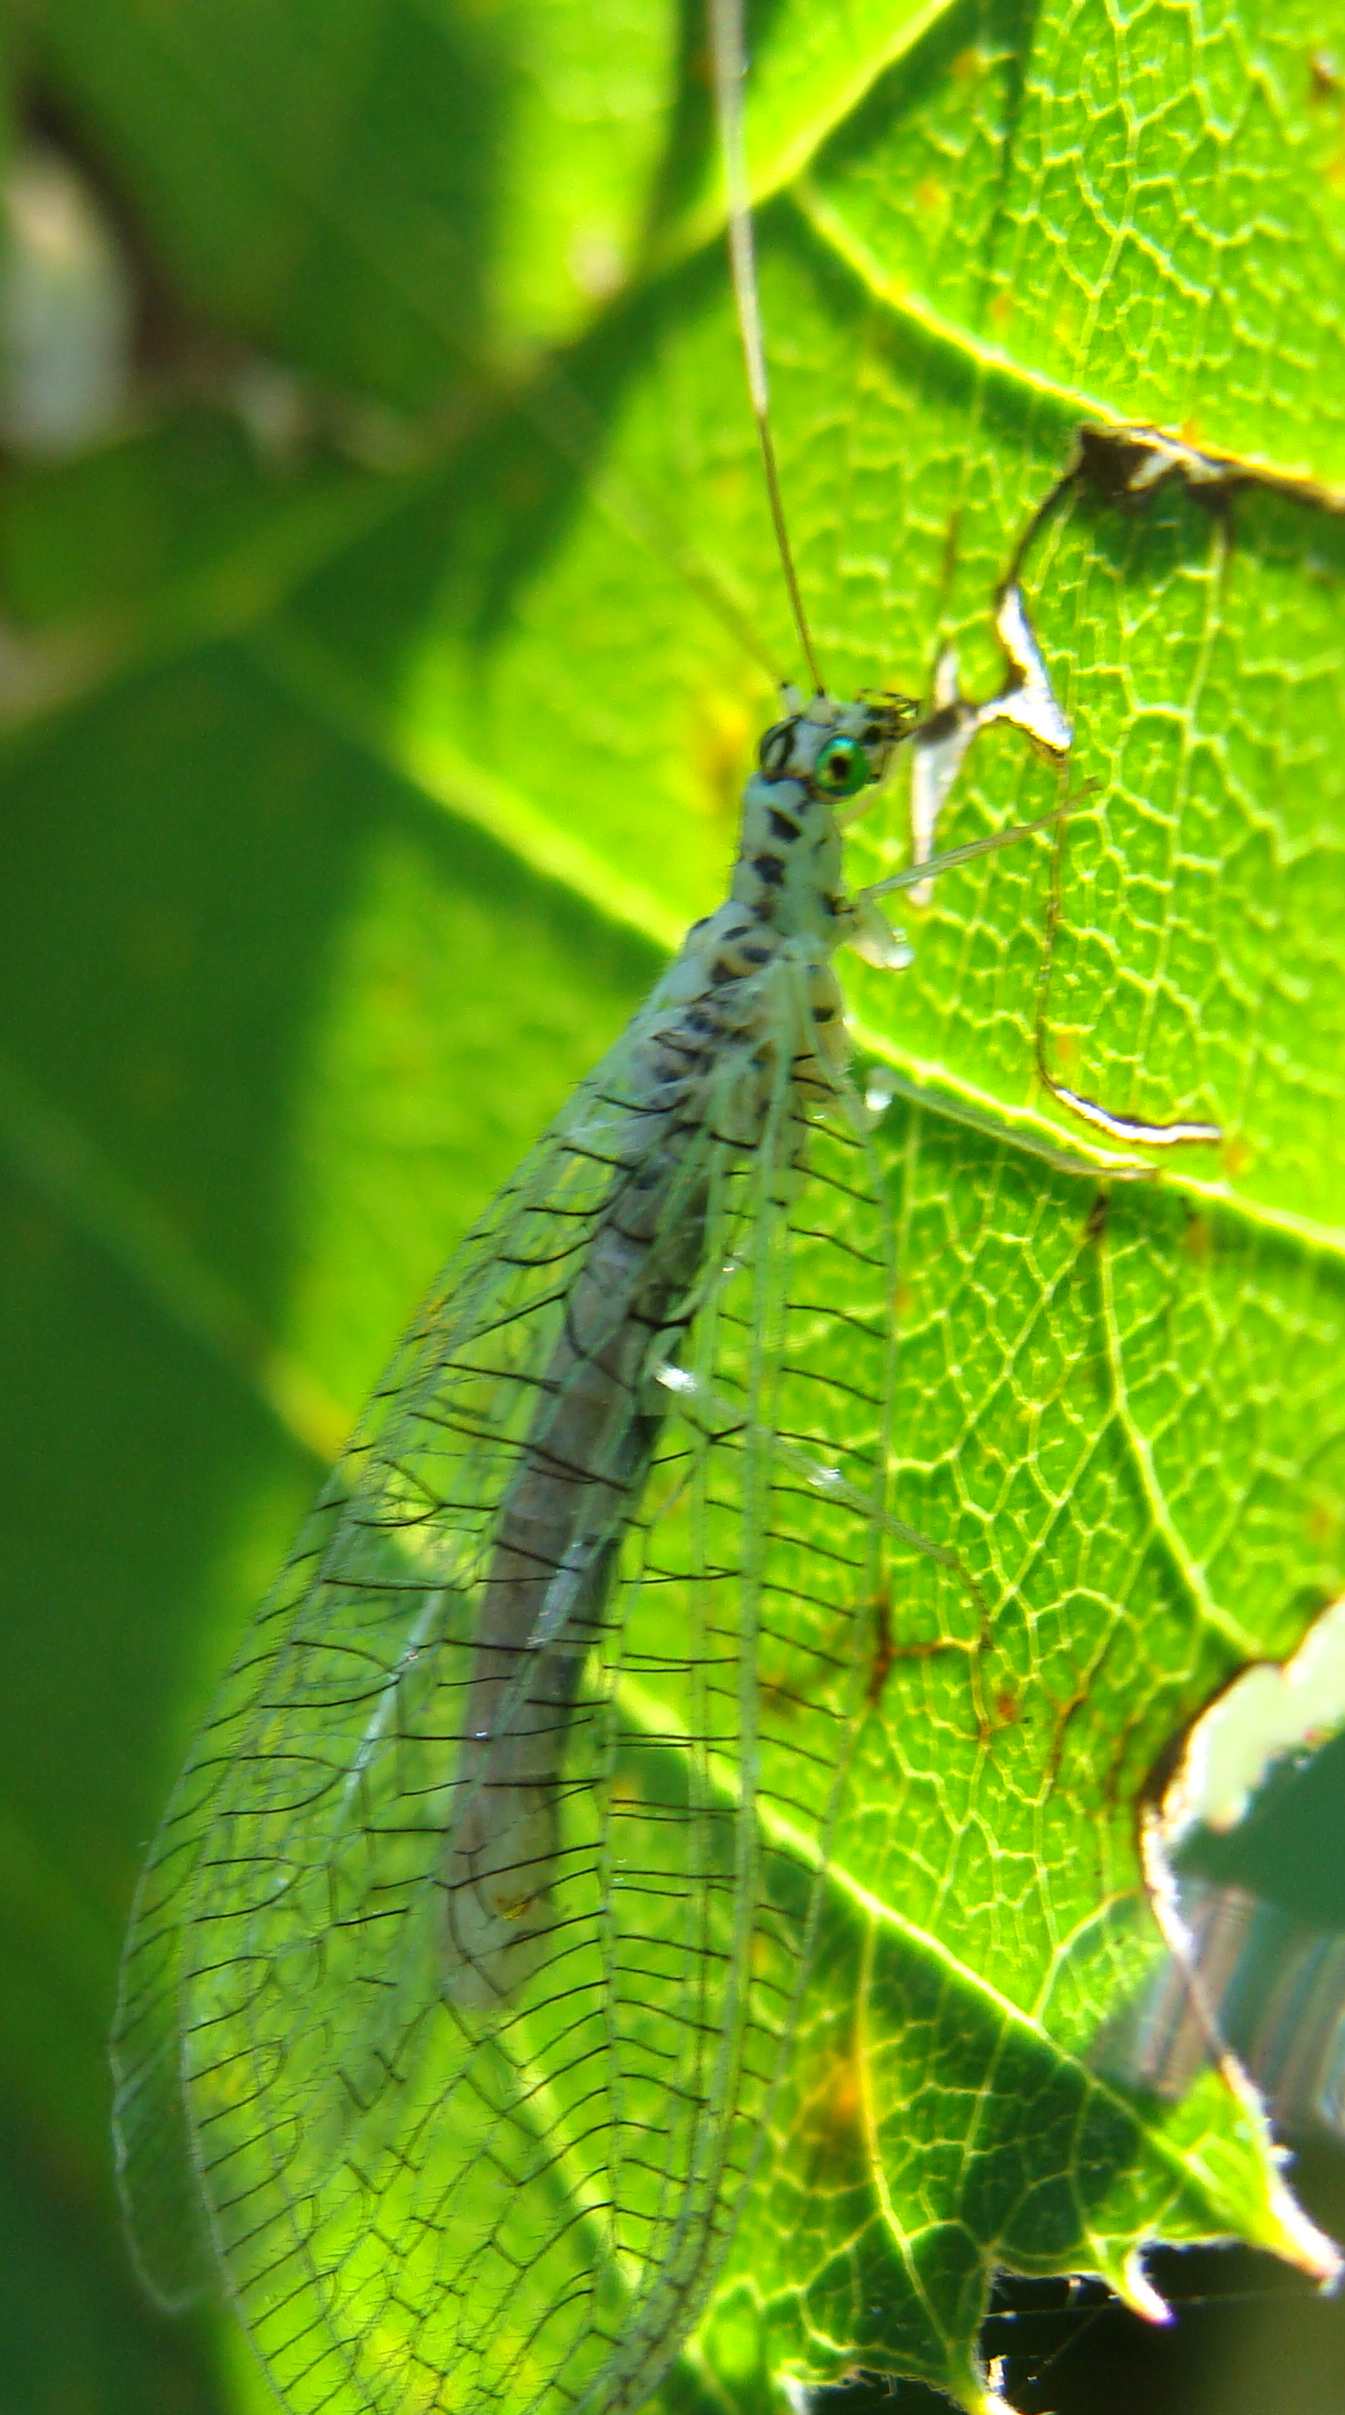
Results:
<point x="769" y="870"/>
<point x="775" y="750"/>
<point x="783" y="826"/>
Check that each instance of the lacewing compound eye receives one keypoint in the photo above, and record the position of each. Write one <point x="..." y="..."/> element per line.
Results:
<point x="842" y="768"/>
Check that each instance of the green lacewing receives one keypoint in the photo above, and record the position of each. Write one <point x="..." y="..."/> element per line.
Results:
<point x="471" y="1949"/>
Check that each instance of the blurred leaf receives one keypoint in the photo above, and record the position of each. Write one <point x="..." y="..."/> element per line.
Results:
<point x="385" y="195"/>
<point x="367" y="803"/>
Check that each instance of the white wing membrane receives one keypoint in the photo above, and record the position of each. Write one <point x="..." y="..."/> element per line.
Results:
<point x="470" y="1948"/>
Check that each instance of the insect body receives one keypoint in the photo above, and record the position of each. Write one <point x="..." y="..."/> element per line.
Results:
<point x="750" y="1005"/>
<point x="469" y="1953"/>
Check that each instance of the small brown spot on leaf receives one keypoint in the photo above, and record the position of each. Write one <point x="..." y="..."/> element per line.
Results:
<point x="1324" y="1525"/>
<point x="1198" y="1239"/>
<point x="1238" y="1157"/>
<point x="882" y="1648"/>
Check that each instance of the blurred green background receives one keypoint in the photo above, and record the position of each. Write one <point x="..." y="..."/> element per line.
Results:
<point x="327" y="871"/>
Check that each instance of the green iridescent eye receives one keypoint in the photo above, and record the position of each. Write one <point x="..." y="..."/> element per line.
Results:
<point x="842" y="768"/>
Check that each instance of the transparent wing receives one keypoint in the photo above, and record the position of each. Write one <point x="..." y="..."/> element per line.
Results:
<point x="462" y="1971"/>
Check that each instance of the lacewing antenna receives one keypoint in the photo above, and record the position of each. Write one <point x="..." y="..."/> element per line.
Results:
<point x="727" y="49"/>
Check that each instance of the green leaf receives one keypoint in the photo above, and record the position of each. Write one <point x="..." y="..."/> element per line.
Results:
<point x="351" y="808"/>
